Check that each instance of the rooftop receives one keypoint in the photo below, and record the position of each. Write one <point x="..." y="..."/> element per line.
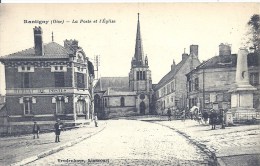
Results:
<point x="52" y="50"/>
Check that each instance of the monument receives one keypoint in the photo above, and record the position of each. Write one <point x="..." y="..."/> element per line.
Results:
<point x="242" y="92"/>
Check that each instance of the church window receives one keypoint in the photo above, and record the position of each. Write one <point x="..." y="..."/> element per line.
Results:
<point x="144" y="75"/>
<point x="141" y="75"/>
<point x="122" y="101"/>
<point x="105" y="102"/>
<point x="137" y="75"/>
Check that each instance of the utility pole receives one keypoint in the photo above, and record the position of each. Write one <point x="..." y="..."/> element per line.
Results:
<point x="97" y="63"/>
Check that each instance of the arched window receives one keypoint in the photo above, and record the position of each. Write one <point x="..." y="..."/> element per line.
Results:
<point x="105" y="102"/>
<point x="122" y="101"/>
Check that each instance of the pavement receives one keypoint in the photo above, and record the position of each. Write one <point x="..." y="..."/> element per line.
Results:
<point x="236" y="145"/>
<point x="130" y="143"/>
<point x="24" y="149"/>
<point x="232" y="146"/>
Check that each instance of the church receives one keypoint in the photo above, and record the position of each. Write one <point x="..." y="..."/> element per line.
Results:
<point x="126" y="96"/>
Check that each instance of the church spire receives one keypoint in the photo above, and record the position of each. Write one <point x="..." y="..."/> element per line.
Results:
<point x="139" y="57"/>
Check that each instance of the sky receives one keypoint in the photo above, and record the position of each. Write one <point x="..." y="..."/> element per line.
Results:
<point x="166" y="29"/>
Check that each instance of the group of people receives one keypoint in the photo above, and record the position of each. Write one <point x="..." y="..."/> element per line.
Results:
<point x="57" y="128"/>
<point x="213" y="117"/>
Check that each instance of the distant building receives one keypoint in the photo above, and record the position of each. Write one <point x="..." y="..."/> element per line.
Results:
<point x="47" y="82"/>
<point x="209" y="83"/>
<point x="171" y="91"/>
<point x="125" y="96"/>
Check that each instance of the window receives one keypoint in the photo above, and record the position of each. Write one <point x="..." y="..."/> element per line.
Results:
<point x="105" y="102"/>
<point x="172" y="98"/>
<point x="196" y="86"/>
<point x="168" y="88"/>
<point x="122" y="102"/>
<point x="25" y="68"/>
<point x="137" y="75"/>
<point x="190" y="86"/>
<point x="60" y="105"/>
<point x="254" y="78"/>
<point x="172" y="86"/>
<point x="59" y="79"/>
<point x="80" y="80"/>
<point x="27" y="105"/>
<point x="81" y="106"/>
<point x="141" y="75"/>
<point x="58" y="68"/>
<point x="25" y="80"/>
<point x="144" y="75"/>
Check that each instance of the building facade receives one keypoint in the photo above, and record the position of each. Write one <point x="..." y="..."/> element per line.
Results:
<point x="209" y="83"/>
<point x="46" y="83"/>
<point x="131" y="96"/>
<point x="171" y="91"/>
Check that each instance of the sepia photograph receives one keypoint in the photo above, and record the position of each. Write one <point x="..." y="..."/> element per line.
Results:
<point x="130" y="84"/>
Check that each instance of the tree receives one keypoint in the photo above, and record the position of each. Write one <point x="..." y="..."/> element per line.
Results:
<point x="254" y="32"/>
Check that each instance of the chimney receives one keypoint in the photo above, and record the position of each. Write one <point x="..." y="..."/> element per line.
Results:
<point x="194" y="50"/>
<point x="173" y="65"/>
<point x="71" y="44"/>
<point x="224" y="49"/>
<point x="38" y="44"/>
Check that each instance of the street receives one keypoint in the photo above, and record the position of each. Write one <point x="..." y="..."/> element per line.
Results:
<point x="130" y="142"/>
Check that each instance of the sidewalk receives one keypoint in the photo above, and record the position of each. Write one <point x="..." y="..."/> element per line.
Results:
<point x="237" y="145"/>
<point x="24" y="149"/>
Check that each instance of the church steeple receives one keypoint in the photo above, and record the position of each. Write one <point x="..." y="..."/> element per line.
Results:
<point x="139" y="56"/>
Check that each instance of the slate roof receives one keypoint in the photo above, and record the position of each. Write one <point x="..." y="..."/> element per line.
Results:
<point x="117" y="83"/>
<point x="170" y="74"/>
<point x="51" y="51"/>
<point x="227" y="61"/>
<point x="118" y="92"/>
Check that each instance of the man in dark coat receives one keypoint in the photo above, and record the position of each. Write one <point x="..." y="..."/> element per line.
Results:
<point x="57" y="127"/>
<point x="213" y="119"/>
<point x="36" y="130"/>
<point x="169" y="114"/>
<point x="205" y="116"/>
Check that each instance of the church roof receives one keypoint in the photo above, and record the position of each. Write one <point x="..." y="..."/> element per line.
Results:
<point x="118" y="83"/>
<point x="118" y="92"/>
<point x="171" y="74"/>
<point x="52" y="50"/>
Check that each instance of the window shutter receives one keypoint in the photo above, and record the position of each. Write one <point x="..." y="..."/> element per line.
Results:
<point x="66" y="99"/>
<point x="34" y="100"/>
<point x="21" y="100"/>
<point x="53" y="100"/>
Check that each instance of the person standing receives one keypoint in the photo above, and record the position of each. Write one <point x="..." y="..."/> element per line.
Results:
<point x="36" y="130"/>
<point x="169" y="113"/>
<point x="213" y="119"/>
<point x="205" y="116"/>
<point x="57" y="127"/>
<point x="95" y="120"/>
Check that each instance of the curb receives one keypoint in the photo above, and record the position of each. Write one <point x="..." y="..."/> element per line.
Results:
<point x="56" y="149"/>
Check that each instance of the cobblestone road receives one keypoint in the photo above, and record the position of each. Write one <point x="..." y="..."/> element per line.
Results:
<point x="127" y="142"/>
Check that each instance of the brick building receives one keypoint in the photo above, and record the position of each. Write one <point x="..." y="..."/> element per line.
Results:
<point x="209" y="83"/>
<point x="47" y="82"/>
<point x="130" y="95"/>
<point x="171" y="91"/>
